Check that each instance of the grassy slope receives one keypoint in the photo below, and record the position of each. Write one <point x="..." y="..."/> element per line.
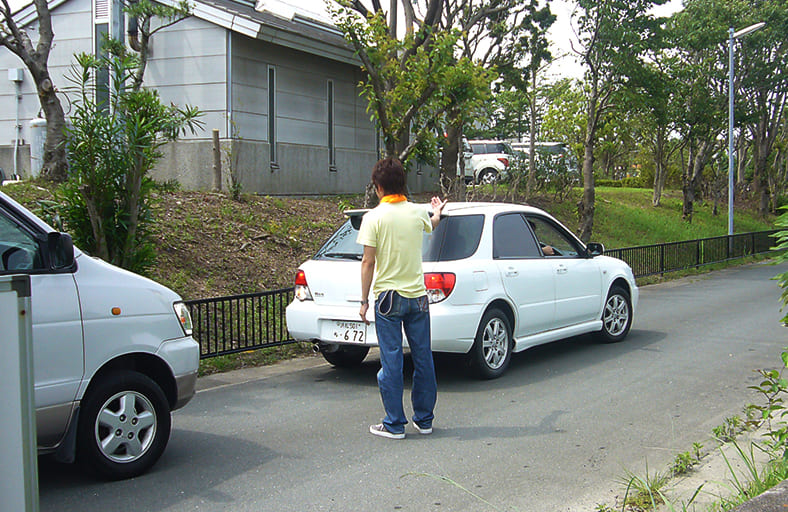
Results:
<point x="625" y="218"/>
<point x="211" y="245"/>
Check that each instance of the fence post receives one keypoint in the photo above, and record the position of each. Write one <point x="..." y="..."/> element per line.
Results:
<point x="217" y="162"/>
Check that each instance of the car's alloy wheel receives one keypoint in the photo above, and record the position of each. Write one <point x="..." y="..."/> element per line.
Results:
<point x="616" y="316"/>
<point x="488" y="177"/>
<point x="492" y="349"/>
<point x="124" y="425"/>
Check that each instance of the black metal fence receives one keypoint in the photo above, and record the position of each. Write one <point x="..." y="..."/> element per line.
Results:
<point x="649" y="260"/>
<point x="226" y="325"/>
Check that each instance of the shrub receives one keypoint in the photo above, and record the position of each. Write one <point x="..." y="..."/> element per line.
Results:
<point x="112" y="145"/>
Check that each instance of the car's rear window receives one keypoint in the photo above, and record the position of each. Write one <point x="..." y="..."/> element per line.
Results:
<point x="455" y="238"/>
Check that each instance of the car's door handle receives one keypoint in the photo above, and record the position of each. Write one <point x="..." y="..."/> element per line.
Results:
<point x="512" y="272"/>
<point x="560" y="269"/>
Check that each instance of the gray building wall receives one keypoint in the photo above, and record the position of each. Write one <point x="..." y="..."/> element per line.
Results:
<point x="225" y="75"/>
<point x="71" y="23"/>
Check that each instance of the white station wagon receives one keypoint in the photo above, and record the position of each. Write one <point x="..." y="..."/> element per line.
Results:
<point x="500" y="277"/>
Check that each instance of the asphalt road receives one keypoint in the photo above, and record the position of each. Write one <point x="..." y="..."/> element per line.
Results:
<point x="555" y="433"/>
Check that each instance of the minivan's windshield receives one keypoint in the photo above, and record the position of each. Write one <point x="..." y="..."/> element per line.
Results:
<point x="455" y="238"/>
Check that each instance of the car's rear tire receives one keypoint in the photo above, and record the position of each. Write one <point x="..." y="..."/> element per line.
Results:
<point x="124" y="426"/>
<point x="616" y="316"/>
<point x="344" y="356"/>
<point x="492" y="349"/>
<point x="488" y="176"/>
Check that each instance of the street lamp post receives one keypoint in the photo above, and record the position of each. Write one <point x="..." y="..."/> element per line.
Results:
<point x="731" y="37"/>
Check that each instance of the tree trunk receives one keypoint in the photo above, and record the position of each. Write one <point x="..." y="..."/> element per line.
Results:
<point x="586" y="206"/>
<point x="55" y="165"/>
<point x="452" y="178"/>
<point x="660" y="172"/>
<point x="697" y="161"/>
<point x="531" y="183"/>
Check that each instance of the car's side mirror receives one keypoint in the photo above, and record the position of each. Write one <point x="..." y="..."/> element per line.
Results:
<point x="60" y="248"/>
<point x="467" y="154"/>
<point x="595" y="249"/>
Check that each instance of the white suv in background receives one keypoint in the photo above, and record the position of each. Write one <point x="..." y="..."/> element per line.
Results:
<point x="486" y="161"/>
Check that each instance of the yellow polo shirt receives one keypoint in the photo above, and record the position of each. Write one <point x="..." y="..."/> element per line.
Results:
<point x="395" y="231"/>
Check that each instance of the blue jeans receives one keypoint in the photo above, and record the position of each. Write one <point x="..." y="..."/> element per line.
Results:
<point x="393" y="313"/>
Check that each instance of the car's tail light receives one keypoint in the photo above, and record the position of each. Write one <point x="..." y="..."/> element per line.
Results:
<point x="302" y="292"/>
<point x="504" y="161"/>
<point x="439" y="285"/>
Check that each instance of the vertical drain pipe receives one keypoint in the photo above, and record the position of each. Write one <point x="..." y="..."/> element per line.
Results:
<point x="16" y="75"/>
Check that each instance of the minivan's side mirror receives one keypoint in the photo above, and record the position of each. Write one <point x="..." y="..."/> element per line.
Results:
<point x="60" y="249"/>
<point x="595" y="249"/>
<point x="467" y="154"/>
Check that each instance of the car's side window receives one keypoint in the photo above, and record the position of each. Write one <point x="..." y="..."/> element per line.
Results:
<point x="478" y="149"/>
<point x="19" y="251"/>
<point x="552" y="240"/>
<point x="512" y="239"/>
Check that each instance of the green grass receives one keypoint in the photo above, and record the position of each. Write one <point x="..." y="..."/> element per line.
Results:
<point x="625" y="218"/>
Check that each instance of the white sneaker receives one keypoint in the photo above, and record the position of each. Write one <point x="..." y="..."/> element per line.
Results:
<point x="423" y="431"/>
<point x="380" y="430"/>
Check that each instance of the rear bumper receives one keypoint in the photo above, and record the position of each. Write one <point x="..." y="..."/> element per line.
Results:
<point x="452" y="330"/>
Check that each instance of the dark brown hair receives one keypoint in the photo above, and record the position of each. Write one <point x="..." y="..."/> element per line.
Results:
<point x="389" y="175"/>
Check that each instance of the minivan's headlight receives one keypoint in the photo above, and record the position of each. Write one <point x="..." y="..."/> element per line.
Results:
<point x="184" y="317"/>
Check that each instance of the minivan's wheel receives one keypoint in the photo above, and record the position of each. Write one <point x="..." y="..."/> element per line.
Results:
<point x="488" y="176"/>
<point x="616" y="316"/>
<point x="124" y="426"/>
<point x="492" y="350"/>
<point x="344" y="356"/>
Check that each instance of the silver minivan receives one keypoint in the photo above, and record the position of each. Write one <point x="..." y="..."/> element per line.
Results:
<point x="113" y="353"/>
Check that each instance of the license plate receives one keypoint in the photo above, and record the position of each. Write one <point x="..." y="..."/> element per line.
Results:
<point x="345" y="332"/>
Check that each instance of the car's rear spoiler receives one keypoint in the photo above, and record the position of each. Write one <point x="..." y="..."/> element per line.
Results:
<point x="355" y="216"/>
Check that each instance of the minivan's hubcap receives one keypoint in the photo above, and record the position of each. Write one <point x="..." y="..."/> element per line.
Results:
<point x="125" y="426"/>
<point x="616" y="315"/>
<point x="495" y="343"/>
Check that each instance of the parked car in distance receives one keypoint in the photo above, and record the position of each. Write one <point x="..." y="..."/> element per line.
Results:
<point x="112" y="351"/>
<point x="486" y="161"/>
<point x="500" y="278"/>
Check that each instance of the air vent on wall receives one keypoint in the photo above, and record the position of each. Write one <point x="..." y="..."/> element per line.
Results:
<point x="102" y="10"/>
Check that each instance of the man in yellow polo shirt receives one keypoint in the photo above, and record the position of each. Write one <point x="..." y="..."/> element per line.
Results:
<point x="391" y="235"/>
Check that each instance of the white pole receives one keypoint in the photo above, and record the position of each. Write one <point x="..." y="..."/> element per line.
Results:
<point x="731" y="37"/>
<point x="730" y="131"/>
<point x="18" y="452"/>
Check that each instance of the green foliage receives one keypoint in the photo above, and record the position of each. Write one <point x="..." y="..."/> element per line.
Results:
<point x="411" y="82"/>
<point x="112" y="147"/>
<point x="644" y="492"/>
<point x="630" y="182"/>
<point x="552" y="174"/>
<point x="730" y="428"/>
<point x="683" y="463"/>
<point x="782" y="243"/>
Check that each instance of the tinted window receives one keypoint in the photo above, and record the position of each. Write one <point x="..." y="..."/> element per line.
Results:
<point x="549" y="234"/>
<point x="18" y="248"/>
<point x="512" y="238"/>
<point x="478" y="149"/>
<point x="498" y="147"/>
<point x="455" y="238"/>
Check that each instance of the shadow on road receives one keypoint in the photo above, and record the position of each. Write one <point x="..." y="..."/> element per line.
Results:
<point x="454" y="373"/>
<point x="193" y="463"/>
